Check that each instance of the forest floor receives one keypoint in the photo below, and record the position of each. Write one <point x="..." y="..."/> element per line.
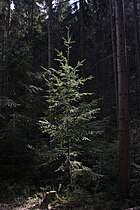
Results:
<point x="28" y="207"/>
<point x="31" y="204"/>
<point x="34" y="204"/>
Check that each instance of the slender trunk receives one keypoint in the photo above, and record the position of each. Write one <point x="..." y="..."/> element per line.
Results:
<point x="122" y="102"/>
<point x="32" y="17"/>
<point x="137" y="42"/>
<point x="113" y="38"/>
<point x="7" y="46"/>
<point x="2" y="54"/>
<point x="50" y="38"/>
<point x="8" y="19"/>
<point x="82" y="41"/>
<point x="50" y="47"/>
<point x="82" y="29"/>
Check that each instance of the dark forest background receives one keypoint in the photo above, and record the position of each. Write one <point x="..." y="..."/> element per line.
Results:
<point x="60" y="93"/>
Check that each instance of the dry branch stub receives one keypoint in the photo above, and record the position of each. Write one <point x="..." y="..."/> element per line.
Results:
<point x="49" y="197"/>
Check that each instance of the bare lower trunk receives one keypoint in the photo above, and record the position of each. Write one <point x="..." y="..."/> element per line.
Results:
<point x="50" y="38"/>
<point x="31" y="21"/>
<point x="82" y="35"/>
<point x="122" y="101"/>
<point x="7" y="40"/>
<point x="137" y="42"/>
<point x="113" y="38"/>
<point x="8" y="19"/>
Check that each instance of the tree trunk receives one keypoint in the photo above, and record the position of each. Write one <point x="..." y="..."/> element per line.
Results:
<point x="2" y="29"/>
<point x="6" y="85"/>
<point x="122" y="102"/>
<point x="8" y="19"/>
<point x="113" y="39"/>
<point x="137" y="42"/>
<point x="82" y="41"/>
<point x="50" y="38"/>
<point x="82" y="29"/>
<point x="50" y="47"/>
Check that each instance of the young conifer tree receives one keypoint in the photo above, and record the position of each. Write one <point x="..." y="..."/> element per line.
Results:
<point x="69" y="120"/>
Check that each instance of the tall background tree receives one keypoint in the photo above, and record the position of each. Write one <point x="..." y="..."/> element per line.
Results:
<point x="122" y="101"/>
<point x="137" y="52"/>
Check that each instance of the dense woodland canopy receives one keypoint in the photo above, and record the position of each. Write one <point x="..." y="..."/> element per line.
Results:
<point x="70" y="101"/>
